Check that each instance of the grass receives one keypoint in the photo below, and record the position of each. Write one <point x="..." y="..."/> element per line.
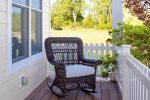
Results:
<point x="87" y="35"/>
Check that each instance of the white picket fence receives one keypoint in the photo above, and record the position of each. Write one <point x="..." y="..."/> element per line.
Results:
<point x="133" y="77"/>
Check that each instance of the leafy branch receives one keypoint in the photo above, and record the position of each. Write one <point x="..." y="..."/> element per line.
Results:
<point x="137" y="36"/>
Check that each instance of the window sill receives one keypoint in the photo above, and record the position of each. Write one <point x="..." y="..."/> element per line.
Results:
<point x="13" y="67"/>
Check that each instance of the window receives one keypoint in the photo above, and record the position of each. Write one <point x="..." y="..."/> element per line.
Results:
<point x="36" y="35"/>
<point x="20" y="29"/>
<point x="19" y="33"/>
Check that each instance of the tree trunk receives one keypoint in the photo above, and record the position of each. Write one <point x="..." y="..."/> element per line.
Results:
<point x="74" y="18"/>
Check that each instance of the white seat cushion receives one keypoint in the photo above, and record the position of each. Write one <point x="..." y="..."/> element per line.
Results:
<point x="79" y="70"/>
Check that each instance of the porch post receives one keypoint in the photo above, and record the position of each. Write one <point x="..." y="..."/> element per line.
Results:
<point x="117" y="12"/>
<point x="125" y="89"/>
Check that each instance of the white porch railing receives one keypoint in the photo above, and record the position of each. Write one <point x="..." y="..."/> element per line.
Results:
<point x="133" y="77"/>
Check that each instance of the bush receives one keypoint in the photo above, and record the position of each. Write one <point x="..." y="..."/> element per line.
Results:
<point x="89" y="21"/>
<point x="137" y="36"/>
<point x="104" y="26"/>
<point x="57" y="23"/>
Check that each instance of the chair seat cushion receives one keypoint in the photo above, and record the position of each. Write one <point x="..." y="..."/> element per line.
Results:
<point x="79" y="70"/>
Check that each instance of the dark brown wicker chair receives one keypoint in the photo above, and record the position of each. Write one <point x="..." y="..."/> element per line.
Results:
<point x="67" y="51"/>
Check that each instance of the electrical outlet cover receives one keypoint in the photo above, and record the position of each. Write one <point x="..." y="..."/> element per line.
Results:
<point x="23" y="80"/>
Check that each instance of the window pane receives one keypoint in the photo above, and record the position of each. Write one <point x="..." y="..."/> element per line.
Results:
<point x="24" y="2"/>
<point x="37" y="4"/>
<point x="19" y="33"/>
<point x="36" y="32"/>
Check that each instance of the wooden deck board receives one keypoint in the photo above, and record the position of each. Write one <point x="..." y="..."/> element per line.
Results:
<point x="106" y="91"/>
<point x="112" y="91"/>
<point x="97" y="96"/>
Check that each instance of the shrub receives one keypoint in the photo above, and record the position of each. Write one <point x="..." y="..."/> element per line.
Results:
<point x="137" y="36"/>
<point x="89" y="21"/>
<point x="57" y="23"/>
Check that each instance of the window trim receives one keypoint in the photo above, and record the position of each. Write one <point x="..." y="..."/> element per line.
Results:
<point x="13" y="67"/>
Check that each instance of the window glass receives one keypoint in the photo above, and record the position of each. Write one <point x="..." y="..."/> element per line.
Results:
<point x="37" y="4"/>
<point x="19" y="33"/>
<point x="36" y="35"/>
<point x="23" y="2"/>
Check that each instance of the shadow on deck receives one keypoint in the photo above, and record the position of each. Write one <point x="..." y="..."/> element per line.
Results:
<point x="107" y="90"/>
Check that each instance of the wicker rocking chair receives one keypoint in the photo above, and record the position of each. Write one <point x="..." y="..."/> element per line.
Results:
<point x="72" y="69"/>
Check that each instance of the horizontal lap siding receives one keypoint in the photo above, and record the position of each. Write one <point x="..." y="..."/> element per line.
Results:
<point x="36" y="72"/>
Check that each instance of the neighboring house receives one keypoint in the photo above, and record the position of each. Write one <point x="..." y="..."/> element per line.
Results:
<point x="24" y="25"/>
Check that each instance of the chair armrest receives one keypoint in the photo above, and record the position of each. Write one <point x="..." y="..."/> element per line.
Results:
<point x="91" y="61"/>
<point x="60" y="68"/>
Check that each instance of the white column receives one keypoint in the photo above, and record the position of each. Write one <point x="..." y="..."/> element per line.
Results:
<point x="117" y="12"/>
<point x="125" y="53"/>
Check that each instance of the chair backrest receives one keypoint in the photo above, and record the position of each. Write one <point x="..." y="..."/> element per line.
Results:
<point x="66" y="49"/>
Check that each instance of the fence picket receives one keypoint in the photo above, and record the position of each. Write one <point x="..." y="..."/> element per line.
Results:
<point x="107" y="48"/>
<point x="96" y="51"/>
<point x="102" y="50"/>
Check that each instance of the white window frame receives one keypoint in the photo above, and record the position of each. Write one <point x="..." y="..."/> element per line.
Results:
<point x="36" y="10"/>
<point x="13" y="67"/>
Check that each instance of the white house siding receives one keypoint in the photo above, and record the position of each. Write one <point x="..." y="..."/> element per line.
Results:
<point x="36" y="72"/>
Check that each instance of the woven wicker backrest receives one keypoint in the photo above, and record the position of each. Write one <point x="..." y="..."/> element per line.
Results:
<point x="66" y="49"/>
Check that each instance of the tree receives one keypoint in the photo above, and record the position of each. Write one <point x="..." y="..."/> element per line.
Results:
<point x="68" y="10"/>
<point x="139" y="8"/>
<point x="103" y="10"/>
<point x="77" y="6"/>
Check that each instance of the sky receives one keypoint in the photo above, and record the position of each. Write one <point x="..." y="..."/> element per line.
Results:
<point x="52" y="1"/>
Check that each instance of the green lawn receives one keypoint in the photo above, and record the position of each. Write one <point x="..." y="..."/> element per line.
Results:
<point x="87" y="35"/>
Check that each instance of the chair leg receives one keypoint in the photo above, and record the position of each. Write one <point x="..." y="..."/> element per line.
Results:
<point x="89" y="90"/>
<point x="62" y="94"/>
<point x="93" y="90"/>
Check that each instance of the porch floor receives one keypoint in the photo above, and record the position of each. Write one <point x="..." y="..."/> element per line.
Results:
<point x="107" y="90"/>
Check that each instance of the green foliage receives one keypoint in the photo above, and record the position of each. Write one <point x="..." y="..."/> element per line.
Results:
<point x="69" y="12"/>
<point x="109" y="63"/>
<point x="89" y="22"/>
<point x="80" y="17"/>
<point x="137" y="36"/>
<point x="57" y="24"/>
<point x="103" y="10"/>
